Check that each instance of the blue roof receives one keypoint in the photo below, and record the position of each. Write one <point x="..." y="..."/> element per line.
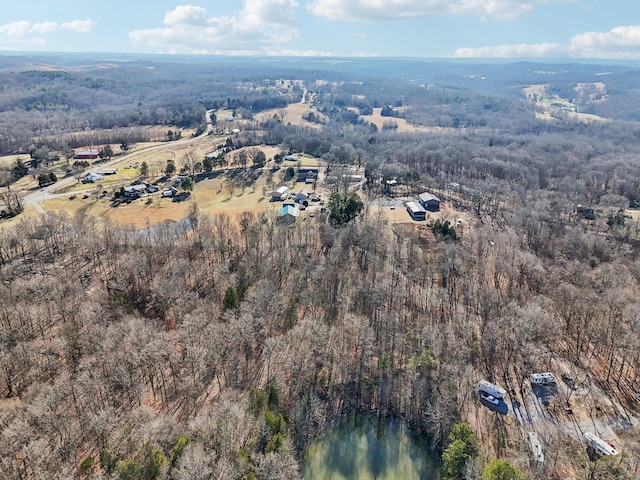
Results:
<point x="288" y="210"/>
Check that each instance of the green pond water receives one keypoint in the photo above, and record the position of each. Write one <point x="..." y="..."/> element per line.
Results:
<point x="362" y="447"/>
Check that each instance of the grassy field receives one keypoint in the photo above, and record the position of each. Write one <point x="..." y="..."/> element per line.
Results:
<point x="213" y="195"/>
<point x="293" y="114"/>
<point x="7" y="162"/>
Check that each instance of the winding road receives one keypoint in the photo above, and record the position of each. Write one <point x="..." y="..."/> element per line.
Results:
<point x="46" y="193"/>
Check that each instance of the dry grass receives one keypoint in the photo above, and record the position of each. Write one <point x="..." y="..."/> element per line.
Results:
<point x="537" y="94"/>
<point x="293" y="115"/>
<point x="7" y="162"/>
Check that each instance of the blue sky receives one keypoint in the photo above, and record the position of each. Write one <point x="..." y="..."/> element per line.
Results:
<point x="605" y="29"/>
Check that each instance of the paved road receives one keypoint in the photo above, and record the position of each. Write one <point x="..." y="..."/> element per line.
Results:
<point x="34" y="198"/>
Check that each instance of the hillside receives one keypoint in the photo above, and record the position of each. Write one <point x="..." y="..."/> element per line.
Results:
<point x="207" y="339"/>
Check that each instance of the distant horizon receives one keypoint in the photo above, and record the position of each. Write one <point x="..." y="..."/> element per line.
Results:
<point x="204" y="56"/>
<point x="505" y="29"/>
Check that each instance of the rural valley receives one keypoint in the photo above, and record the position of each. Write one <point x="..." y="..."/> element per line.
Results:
<point x="209" y="264"/>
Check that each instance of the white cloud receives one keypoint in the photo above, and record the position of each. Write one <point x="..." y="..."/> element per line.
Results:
<point x="262" y="26"/>
<point x="22" y="29"/>
<point x="619" y="43"/>
<point x="80" y="26"/>
<point x="380" y="10"/>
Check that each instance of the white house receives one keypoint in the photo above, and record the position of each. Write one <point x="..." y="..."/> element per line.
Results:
<point x="92" y="177"/>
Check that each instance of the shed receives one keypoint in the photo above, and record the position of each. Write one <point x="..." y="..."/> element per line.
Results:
<point x="280" y="194"/>
<point x="291" y="158"/>
<point x="287" y="215"/>
<point x="108" y="171"/>
<point x="86" y="155"/>
<point x="429" y="201"/>
<point x="416" y="211"/>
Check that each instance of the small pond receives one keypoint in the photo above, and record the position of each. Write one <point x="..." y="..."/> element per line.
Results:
<point x="365" y="447"/>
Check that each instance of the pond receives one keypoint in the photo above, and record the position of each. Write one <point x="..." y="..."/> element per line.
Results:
<point x="365" y="447"/>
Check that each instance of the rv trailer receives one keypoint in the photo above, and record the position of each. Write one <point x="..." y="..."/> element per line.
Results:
<point x="542" y="378"/>
<point x="491" y="389"/>
<point x="599" y="446"/>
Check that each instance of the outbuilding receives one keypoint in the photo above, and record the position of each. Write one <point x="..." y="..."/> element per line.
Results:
<point x="287" y="215"/>
<point x="429" y="201"/>
<point x="86" y="155"/>
<point x="416" y="211"/>
<point x="280" y="194"/>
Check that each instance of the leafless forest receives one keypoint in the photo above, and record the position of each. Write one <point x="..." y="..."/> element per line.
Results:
<point x="219" y="347"/>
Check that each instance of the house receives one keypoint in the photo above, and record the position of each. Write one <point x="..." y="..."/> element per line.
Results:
<point x="92" y="177"/>
<point x="214" y="155"/>
<point x="280" y="194"/>
<point x="416" y="211"/>
<point x="287" y="215"/>
<point x="169" y="192"/>
<point x="86" y="155"/>
<point x="308" y="174"/>
<point x="429" y="201"/>
<point x="229" y="119"/>
<point x="291" y="158"/>
<point x="131" y="192"/>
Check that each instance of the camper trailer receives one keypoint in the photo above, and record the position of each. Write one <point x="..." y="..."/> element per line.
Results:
<point x="542" y="378"/>
<point x="599" y="446"/>
<point x="491" y="389"/>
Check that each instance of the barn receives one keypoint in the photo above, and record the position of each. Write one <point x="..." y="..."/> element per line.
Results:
<point x="429" y="201"/>
<point x="416" y="211"/>
<point x="86" y="155"/>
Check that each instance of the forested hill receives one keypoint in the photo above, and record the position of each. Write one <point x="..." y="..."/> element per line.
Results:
<point x="222" y="344"/>
<point x="57" y="94"/>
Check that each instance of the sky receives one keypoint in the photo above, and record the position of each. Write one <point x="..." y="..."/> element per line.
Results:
<point x="593" y="29"/>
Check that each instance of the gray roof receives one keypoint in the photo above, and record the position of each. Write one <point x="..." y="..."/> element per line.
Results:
<point x="415" y="207"/>
<point x="428" y="197"/>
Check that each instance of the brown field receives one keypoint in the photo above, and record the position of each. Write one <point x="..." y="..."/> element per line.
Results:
<point x="403" y="125"/>
<point x="293" y="115"/>
<point x="210" y="195"/>
<point x="7" y="162"/>
<point x="538" y="95"/>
